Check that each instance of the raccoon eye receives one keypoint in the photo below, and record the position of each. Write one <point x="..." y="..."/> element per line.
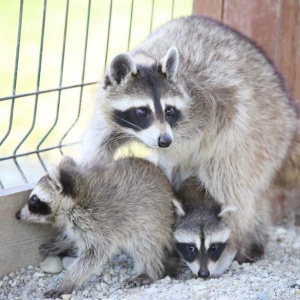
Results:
<point x="170" y="111"/>
<point x="191" y="248"/>
<point x="34" y="200"/>
<point x="214" y="247"/>
<point x="142" y="112"/>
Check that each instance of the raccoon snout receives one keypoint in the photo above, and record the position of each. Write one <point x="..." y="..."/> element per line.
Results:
<point x="18" y="215"/>
<point x="203" y="273"/>
<point x="164" y="140"/>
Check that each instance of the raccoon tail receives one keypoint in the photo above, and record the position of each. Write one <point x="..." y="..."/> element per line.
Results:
<point x="289" y="174"/>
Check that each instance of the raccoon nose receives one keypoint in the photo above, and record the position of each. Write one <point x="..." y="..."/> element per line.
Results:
<point x="18" y="215"/>
<point x="203" y="273"/>
<point x="164" y="140"/>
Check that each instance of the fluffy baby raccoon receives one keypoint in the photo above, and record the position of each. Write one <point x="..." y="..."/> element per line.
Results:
<point x="202" y="235"/>
<point x="124" y="205"/>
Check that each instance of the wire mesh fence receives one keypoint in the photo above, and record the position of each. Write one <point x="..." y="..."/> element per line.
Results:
<point x="52" y="56"/>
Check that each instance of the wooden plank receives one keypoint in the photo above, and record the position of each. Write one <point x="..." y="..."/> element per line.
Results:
<point x="259" y="20"/>
<point x="289" y="46"/>
<point x="209" y="8"/>
<point x="19" y="242"/>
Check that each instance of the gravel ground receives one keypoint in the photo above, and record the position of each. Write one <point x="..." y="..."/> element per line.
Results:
<point x="277" y="276"/>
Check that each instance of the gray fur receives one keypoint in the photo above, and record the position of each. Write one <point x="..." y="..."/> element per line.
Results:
<point x="199" y="220"/>
<point x="126" y="204"/>
<point x="236" y="123"/>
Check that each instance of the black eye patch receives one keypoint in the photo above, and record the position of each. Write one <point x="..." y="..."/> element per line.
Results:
<point x="189" y="252"/>
<point x="132" y="118"/>
<point x="172" y="115"/>
<point x="215" y="250"/>
<point x="36" y="206"/>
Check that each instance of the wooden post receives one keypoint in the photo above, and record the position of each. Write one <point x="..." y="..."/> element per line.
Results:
<point x="274" y="25"/>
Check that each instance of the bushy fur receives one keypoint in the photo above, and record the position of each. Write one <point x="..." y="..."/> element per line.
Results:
<point x="202" y="222"/>
<point x="236" y="124"/>
<point x="124" y="205"/>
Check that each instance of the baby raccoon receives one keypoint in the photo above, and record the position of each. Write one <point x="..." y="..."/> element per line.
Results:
<point x="124" y="205"/>
<point x="202" y="235"/>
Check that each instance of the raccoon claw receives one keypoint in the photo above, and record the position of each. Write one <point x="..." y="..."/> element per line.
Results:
<point x="139" y="280"/>
<point x="49" y="249"/>
<point x="53" y="294"/>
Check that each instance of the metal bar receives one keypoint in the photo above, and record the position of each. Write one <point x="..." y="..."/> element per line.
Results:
<point x="59" y="92"/>
<point x="172" y="14"/>
<point x="82" y="76"/>
<point x="130" y="25"/>
<point x="37" y="88"/>
<point x="152" y="13"/>
<point x="15" y="73"/>
<point x="108" y="34"/>
<point x="15" y="78"/>
<point x="35" y="152"/>
<point x="48" y="91"/>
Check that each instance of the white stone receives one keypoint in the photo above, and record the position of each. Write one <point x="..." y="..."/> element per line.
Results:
<point x="107" y="277"/>
<point x="51" y="264"/>
<point x="103" y="285"/>
<point x="67" y="261"/>
<point x="235" y="265"/>
<point x="66" y="297"/>
<point x="37" y="274"/>
<point x="296" y="246"/>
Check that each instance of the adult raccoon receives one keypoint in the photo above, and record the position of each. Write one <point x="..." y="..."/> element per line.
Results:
<point x="206" y="100"/>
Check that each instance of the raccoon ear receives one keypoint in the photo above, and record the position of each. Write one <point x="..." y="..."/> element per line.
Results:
<point x="67" y="161"/>
<point x="55" y="178"/>
<point x="120" y="68"/>
<point x="178" y="208"/>
<point x="225" y="210"/>
<point x="169" y="63"/>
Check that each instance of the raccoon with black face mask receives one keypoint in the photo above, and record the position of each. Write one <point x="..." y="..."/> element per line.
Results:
<point x="202" y="236"/>
<point x="204" y="97"/>
<point x="126" y="205"/>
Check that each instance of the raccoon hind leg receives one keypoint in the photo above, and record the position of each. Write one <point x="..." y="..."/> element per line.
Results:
<point x="148" y="262"/>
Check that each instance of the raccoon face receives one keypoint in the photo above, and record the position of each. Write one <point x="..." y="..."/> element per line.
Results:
<point x="145" y="101"/>
<point x="39" y="207"/>
<point x="47" y="197"/>
<point x="205" y="247"/>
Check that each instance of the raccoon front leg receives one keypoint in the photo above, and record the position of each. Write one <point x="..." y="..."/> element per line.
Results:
<point x="79" y="271"/>
<point x="61" y="245"/>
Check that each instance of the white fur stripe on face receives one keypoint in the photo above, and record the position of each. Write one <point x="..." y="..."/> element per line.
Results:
<point x="187" y="238"/>
<point x="194" y="266"/>
<point x="218" y="237"/>
<point x="176" y="102"/>
<point x="127" y="103"/>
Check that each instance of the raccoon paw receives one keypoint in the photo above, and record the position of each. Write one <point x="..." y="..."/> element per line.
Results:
<point x="50" y="249"/>
<point x="139" y="280"/>
<point x="53" y="294"/>
<point x="253" y="254"/>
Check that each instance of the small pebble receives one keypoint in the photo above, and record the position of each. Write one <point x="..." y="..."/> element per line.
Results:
<point x="235" y="265"/>
<point x="51" y="264"/>
<point x="38" y="274"/>
<point x="296" y="246"/>
<point x="67" y="261"/>
<point x="66" y="297"/>
<point x="107" y="278"/>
